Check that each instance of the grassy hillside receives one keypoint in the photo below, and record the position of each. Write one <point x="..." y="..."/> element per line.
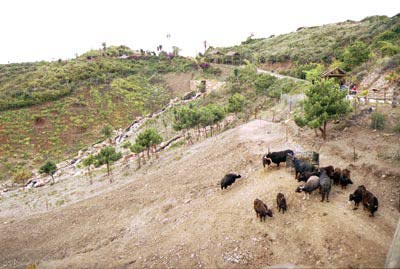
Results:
<point x="49" y="110"/>
<point x="320" y="43"/>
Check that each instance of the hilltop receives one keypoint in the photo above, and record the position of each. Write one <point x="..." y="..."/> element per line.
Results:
<point x="318" y="44"/>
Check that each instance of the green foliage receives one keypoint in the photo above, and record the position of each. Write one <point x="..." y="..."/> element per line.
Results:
<point x="185" y="117"/>
<point x="236" y="103"/>
<point x="126" y="145"/>
<point x="107" y="155"/>
<point x="148" y="138"/>
<point x="377" y="121"/>
<point x="48" y="168"/>
<point x="314" y="73"/>
<point x="136" y="148"/>
<point x="324" y="102"/>
<point x="29" y="84"/>
<point x="107" y="131"/>
<point x="300" y="121"/>
<point x="355" y="54"/>
<point x="210" y="115"/>
<point x="316" y="44"/>
<point x="388" y="49"/>
<point x="189" y="117"/>
<point x="89" y="160"/>
<point x="263" y="82"/>
<point x="299" y="71"/>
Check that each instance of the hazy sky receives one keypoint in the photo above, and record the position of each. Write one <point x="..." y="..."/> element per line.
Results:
<point x="33" y="30"/>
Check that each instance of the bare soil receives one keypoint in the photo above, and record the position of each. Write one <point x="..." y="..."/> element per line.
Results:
<point x="172" y="213"/>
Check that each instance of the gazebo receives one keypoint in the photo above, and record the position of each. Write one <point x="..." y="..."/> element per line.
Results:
<point x="214" y="56"/>
<point x="337" y="73"/>
<point x="334" y="73"/>
<point x="232" y="57"/>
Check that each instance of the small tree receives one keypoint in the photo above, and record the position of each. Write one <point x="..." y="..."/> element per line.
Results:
<point x="377" y="121"/>
<point x="324" y="102"/>
<point x="147" y="139"/>
<point x="210" y="114"/>
<point x="107" y="132"/>
<point x="138" y="149"/>
<point x="236" y="103"/>
<point x="48" y="168"/>
<point x="88" y="162"/>
<point x="107" y="155"/>
<point x="185" y="117"/>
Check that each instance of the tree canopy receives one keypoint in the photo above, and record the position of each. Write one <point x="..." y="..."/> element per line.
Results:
<point x="147" y="139"/>
<point x="107" y="155"/>
<point x="325" y="102"/>
<point x="48" y="168"/>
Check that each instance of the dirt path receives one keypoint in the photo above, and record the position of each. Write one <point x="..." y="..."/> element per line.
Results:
<point x="279" y="76"/>
<point x="174" y="214"/>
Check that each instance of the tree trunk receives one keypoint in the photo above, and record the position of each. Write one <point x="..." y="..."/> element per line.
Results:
<point x="316" y="133"/>
<point x="323" y="131"/>
<point x="148" y="153"/>
<point x="52" y="177"/>
<point x="395" y="97"/>
<point x="138" y="160"/>
<point x="89" y="175"/>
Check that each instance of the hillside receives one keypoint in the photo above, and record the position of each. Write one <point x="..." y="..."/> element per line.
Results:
<point x="50" y="110"/>
<point x="140" y="143"/>
<point x="316" y="44"/>
<point x="159" y="216"/>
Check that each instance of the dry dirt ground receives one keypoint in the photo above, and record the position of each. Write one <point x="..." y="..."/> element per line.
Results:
<point x="173" y="214"/>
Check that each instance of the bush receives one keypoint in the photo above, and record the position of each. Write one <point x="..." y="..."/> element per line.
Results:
<point x="236" y="103"/>
<point x="377" y="121"/>
<point x="263" y="82"/>
<point x="21" y="175"/>
<point x="355" y="55"/>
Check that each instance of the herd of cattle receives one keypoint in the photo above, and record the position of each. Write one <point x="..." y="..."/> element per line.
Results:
<point x="321" y="178"/>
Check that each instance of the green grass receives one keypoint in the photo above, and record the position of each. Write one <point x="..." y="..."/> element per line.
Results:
<point x="315" y="44"/>
<point x="38" y="122"/>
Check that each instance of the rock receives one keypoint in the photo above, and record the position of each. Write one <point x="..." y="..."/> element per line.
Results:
<point x="187" y="201"/>
<point x="324" y="214"/>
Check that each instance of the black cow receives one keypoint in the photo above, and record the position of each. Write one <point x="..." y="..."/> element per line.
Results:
<point x="228" y="180"/>
<point x="276" y="157"/>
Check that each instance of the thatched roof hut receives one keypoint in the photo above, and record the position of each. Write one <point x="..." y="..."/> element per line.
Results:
<point x="334" y="73"/>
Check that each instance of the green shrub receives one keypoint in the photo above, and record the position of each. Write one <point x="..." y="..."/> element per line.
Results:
<point x="355" y="54"/>
<point x="126" y="145"/>
<point x="236" y="103"/>
<point x="263" y="82"/>
<point x="377" y="121"/>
